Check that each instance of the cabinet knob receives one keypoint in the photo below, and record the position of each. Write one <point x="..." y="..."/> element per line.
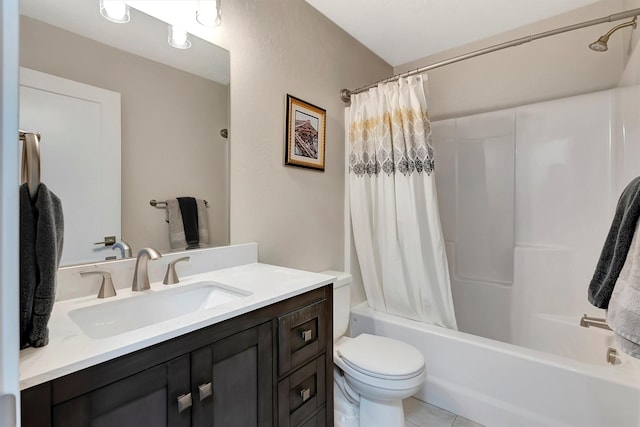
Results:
<point x="184" y="402"/>
<point x="205" y="390"/>
<point x="307" y="335"/>
<point x="305" y="394"/>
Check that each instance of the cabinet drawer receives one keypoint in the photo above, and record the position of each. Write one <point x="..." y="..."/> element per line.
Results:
<point x="301" y="393"/>
<point x="301" y="336"/>
<point x="317" y="420"/>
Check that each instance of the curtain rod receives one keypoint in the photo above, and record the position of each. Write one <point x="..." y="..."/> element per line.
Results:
<point x="345" y="94"/>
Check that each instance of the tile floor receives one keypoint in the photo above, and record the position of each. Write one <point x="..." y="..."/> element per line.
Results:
<point x="421" y="414"/>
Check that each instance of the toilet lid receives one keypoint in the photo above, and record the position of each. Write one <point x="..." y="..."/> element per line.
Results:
<point x="382" y="357"/>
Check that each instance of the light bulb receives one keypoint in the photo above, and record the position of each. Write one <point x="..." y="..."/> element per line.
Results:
<point x="115" y="11"/>
<point x="208" y="13"/>
<point x="178" y="38"/>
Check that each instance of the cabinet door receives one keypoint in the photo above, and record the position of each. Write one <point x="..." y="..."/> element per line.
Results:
<point x="240" y="369"/>
<point x="148" y="398"/>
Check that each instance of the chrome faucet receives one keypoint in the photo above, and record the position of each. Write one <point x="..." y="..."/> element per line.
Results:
<point x="598" y="322"/>
<point x="144" y="255"/>
<point x="125" y="249"/>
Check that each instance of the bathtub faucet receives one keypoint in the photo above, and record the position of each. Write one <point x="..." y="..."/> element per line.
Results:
<point x="597" y="322"/>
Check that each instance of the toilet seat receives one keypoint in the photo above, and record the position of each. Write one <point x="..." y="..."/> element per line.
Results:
<point x="382" y="357"/>
<point x="380" y="362"/>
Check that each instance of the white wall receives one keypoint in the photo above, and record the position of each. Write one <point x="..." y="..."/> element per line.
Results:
<point x="279" y="47"/>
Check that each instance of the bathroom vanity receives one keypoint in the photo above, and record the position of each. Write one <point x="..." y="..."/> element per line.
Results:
<point x="261" y="360"/>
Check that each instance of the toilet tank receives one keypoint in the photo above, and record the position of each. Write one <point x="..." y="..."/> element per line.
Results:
<point x="341" y="302"/>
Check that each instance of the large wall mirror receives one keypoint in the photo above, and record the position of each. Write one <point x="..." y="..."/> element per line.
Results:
<point x="125" y="119"/>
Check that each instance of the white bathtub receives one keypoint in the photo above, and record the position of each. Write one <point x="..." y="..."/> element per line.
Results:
<point x="499" y="384"/>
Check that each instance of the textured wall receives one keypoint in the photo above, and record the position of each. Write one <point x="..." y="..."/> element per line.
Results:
<point x="170" y="127"/>
<point x="279" y="47"/>
<point x="545" y="69"/>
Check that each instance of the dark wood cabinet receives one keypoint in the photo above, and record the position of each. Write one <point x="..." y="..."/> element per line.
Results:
<point x="141" y="399"/>
<point x="238" y="371"/>
<point x="272" y="366"/>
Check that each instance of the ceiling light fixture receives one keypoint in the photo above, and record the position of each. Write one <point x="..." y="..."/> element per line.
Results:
<point x="178" y="38"/>
<point x="115" y="11"/>
<point x="208" y="13"/>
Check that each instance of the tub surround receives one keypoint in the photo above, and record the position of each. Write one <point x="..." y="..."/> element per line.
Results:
<point x="71" y="350"/>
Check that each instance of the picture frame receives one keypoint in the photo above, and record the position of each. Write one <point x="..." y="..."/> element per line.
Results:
<point x="305" y="140"/>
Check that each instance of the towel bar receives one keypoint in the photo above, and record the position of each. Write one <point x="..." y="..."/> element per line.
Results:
<point x="161" y="204"/>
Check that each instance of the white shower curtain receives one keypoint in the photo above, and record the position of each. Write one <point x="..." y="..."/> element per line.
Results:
<point x="394" y="208"/>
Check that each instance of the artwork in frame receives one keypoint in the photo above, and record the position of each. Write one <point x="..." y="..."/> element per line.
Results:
<point x="305" y="134"/>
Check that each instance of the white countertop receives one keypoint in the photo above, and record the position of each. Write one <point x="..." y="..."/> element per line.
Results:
<point x="70" y="349"/>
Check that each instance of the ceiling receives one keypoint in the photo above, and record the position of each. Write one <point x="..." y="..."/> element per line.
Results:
<point x="145" y="35"/>
<point x="401" y="31"/>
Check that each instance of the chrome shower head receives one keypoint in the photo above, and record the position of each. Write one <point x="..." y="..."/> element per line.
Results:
<point x="600" y="45"/>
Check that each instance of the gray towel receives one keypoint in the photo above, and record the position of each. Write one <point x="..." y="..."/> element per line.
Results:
<point x="177" y="237"/>
<point x="623" y="315"/>
<point x="616" y="246"/>
<point x="41" y="236"/>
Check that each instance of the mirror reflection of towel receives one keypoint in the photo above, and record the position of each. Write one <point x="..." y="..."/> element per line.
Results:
<point x="41" y="238"/>
<point x="177" y="237"/>
<point x="189" y="212"/>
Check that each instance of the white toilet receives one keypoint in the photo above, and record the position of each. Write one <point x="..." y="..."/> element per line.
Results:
<point x="372" y="374"/>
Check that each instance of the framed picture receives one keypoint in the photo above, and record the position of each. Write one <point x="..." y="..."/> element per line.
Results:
<point x="305" y="134"/>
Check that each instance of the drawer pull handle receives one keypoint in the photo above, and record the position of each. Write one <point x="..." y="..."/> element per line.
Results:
<point x="205" y="391"/>
<point x="184" y="402"/>
<point x="307" y="335"/>
<point x="305" y="394"/>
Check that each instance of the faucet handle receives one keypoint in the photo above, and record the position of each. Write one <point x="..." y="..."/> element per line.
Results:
<point x="106" y="286"/>
<point x="171" y="277"/>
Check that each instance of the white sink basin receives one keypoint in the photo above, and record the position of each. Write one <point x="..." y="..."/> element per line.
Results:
<point x="116" y="317"/>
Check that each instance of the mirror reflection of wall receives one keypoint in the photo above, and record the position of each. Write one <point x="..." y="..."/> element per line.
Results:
<point x="171" y="118"/>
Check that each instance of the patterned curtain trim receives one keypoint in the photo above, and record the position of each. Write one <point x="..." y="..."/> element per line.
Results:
<point x="396" y="141"/>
